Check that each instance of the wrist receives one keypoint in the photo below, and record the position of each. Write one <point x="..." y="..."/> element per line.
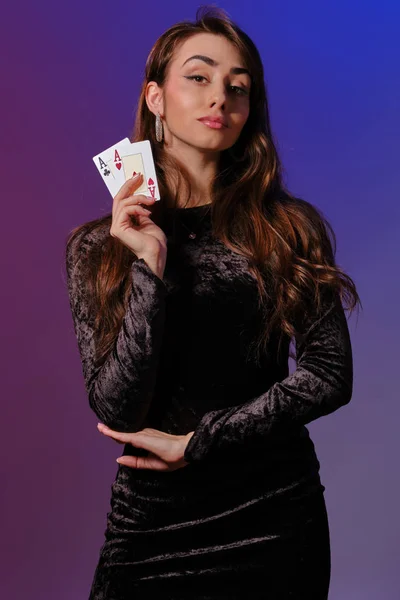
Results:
<point x="155" y="262"/>
<point x="185" y="442"/>
<point x="188" y="437"/>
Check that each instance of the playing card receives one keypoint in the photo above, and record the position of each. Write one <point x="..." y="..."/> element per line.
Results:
<point x="138" y="158"/>
<point x="110" y="167"/>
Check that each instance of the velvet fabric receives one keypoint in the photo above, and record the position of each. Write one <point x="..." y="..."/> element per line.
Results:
<point x="246" y="516"/>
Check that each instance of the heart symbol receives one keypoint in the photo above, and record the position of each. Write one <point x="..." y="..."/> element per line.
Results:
<point x="151" y="182"/>
<point x="134" y="173"/>
<point x="118" y="165"/>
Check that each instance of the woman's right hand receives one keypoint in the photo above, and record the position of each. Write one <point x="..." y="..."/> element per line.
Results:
<point x="146" y="239"/>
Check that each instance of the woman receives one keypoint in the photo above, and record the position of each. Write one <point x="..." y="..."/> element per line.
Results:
<point x="184" y="312"/>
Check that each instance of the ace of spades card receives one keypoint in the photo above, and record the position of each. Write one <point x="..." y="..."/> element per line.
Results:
<point x="109" y="165"/>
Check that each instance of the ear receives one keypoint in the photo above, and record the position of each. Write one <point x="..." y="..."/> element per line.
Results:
<point x="154" y="98"/>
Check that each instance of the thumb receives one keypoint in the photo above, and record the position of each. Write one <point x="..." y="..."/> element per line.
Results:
<point x="130" y="185"/>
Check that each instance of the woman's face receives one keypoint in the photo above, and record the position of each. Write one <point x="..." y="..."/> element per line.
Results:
<point x="216" y="85"/>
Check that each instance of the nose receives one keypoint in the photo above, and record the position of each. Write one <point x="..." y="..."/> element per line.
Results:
<point x="218" y="97"/>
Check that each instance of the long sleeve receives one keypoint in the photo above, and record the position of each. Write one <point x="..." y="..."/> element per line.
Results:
<point x="121" y="389"/>
<point x="321" y="383"/>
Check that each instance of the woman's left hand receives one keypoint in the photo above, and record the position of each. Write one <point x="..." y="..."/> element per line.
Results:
<point x="166" y="450"/>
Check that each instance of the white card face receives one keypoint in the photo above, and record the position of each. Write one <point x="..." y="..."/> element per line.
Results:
<point x="138" y="158"/>
<point x="110" y="167"/>
<point x="132" y="164"/>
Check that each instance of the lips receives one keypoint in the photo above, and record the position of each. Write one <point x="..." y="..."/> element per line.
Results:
<point x="214" y="120"/>
<point x="220" y="120"/>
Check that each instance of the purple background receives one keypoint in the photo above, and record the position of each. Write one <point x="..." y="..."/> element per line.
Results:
<point x="70" y="79"/>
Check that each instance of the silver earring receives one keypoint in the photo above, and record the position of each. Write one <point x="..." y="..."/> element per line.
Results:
<point x="159" y="128"/>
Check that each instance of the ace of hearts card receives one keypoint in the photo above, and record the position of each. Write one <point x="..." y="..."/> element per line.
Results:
<point x="122" y="161"/>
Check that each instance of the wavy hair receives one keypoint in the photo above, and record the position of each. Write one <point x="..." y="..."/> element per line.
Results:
<point x="287" y="241"/>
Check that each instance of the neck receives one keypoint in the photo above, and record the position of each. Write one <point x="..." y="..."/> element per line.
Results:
<point x="201" y="167"/>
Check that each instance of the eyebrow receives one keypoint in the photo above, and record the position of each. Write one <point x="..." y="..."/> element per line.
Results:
<point x="213" y="63"/>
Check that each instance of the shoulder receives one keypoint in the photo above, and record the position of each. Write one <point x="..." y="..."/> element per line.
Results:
<point x="84" y="238"/>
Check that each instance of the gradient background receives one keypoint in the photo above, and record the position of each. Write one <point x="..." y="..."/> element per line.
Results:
<point x="70" y="78"/>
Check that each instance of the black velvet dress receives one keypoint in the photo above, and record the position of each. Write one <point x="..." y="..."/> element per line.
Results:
<point x="246" y="518"/>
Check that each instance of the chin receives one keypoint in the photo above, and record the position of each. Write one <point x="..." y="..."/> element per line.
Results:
<point x="211" y="148"/>
<point x="211" y="142"/>
<point x="212" y="145"/>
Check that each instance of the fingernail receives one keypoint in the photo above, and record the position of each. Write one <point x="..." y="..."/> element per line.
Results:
<point x="136" y="176"/>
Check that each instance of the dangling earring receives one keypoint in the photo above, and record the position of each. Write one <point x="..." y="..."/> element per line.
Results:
<point x="159" y="128"/>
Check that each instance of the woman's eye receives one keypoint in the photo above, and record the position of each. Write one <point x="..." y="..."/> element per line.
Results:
<point x="238" y="90"/>
<point x="195" y="77"/>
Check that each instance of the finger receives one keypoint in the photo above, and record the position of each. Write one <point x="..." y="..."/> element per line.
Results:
<point x="130" y="184"/>
<point x="143" y="211"/>
<point x="152" y="431"/>
<point x="143" y="462"/>
<point x="158" y="433"/>
<point x="129" y="209"/>
<point x="135" y="439"/>
<point x="137" y="199"/>
<point x="120" y="436"/>
<point x="156" y="443"/>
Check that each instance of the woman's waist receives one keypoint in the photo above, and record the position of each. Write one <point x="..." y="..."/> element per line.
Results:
<point x="273" y="462"/>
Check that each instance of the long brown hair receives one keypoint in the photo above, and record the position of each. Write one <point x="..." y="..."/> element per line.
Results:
<point x="284" y="238"/>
